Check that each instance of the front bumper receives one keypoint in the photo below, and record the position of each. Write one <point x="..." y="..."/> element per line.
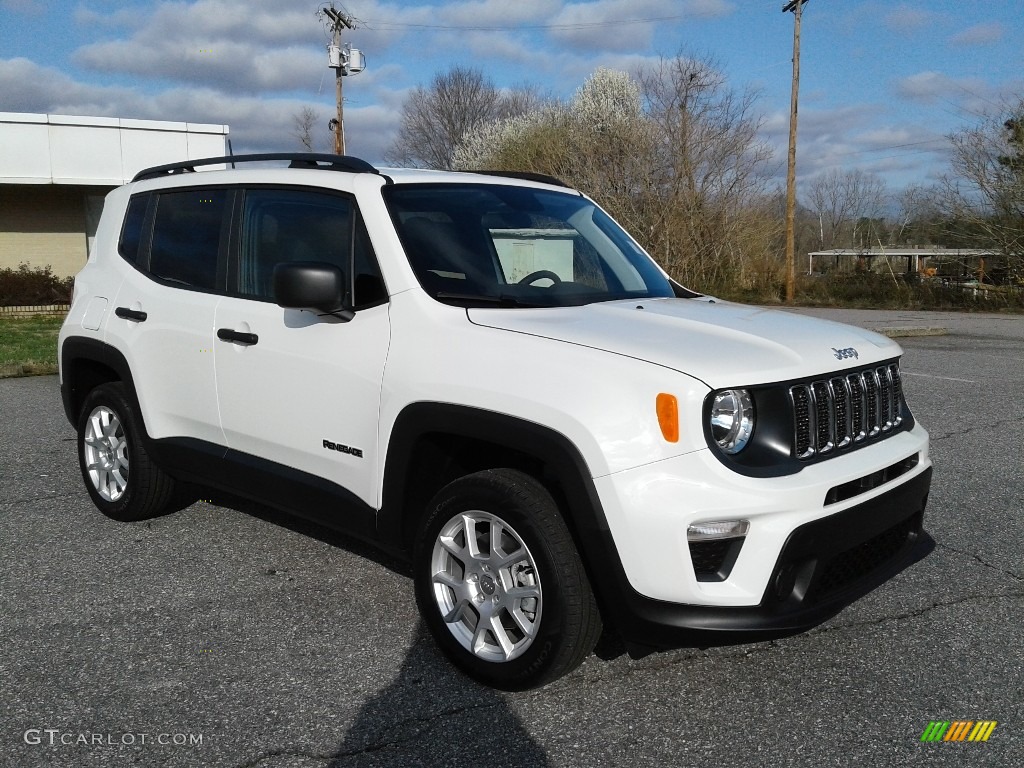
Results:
<point x="817" y="540"/>
<point x="823" y="567"/>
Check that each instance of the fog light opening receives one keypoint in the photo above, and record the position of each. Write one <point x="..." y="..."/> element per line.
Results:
<point x="715" y="547"/>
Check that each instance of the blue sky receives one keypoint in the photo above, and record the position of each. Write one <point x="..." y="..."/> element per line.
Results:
<point x="882" y="83"/>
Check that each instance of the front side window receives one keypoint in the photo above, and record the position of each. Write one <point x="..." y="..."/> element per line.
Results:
<point x="187" y="233"/>
<point x="488" y="245"/>
<point x="282" y="225"/>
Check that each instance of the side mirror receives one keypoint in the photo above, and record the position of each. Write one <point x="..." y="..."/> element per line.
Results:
<point x="311" y="285"/>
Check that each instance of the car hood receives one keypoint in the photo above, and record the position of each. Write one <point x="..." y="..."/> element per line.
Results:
<point x="720" y="343"/>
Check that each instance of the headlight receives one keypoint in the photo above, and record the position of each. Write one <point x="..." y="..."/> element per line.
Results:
<point x="732" y="419"/>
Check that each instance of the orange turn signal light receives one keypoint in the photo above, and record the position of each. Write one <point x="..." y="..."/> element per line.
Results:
<point x="668" y="416"/>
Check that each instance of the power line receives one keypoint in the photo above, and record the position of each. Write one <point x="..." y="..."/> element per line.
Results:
<point x="893" y="146"/>
<point x="583" y="25"/>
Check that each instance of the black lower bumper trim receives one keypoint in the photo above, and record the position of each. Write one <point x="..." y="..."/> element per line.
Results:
<point x="823" y="567"/>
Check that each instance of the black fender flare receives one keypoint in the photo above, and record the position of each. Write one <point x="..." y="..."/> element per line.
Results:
<point x="79" y="350"/>
<point x="562" y="461"/>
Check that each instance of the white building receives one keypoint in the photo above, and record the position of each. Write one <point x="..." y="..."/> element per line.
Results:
<point x="56" y="169"/>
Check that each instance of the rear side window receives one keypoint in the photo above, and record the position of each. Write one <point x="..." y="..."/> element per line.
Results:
<point x="187" y="232"/>
<point x="131" y="232"/>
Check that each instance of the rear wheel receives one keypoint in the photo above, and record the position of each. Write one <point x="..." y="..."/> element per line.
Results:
<point x="500" y="584"/>
<point x="122" y="480"/>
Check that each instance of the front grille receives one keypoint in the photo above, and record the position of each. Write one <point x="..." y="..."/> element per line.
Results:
<point x="832" y="414"/>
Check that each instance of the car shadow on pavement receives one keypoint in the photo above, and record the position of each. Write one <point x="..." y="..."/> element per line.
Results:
<point x="432" y="715"/>
<point x="304" y="527"/>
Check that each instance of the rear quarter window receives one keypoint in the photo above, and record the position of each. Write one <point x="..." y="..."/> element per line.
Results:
<point x="130" y="243"/>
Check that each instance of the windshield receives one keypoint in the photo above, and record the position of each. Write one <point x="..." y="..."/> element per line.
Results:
<point x="497" y="245"/>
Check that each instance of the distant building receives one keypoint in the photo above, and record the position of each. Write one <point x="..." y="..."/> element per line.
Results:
<point x="56" y="169"/>
<point x="923" y="260"/>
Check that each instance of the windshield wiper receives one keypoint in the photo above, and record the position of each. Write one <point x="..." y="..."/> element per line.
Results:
<point x="504" y="300"/>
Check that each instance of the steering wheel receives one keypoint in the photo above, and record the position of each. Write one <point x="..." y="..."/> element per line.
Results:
<point x="540" y="274"/>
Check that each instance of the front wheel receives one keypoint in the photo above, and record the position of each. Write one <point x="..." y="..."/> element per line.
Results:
<point x="122" y="480"/>
<point x="500" y="584"/>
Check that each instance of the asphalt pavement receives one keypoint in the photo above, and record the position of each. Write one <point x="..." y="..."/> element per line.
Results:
<point x="228" y="635"/>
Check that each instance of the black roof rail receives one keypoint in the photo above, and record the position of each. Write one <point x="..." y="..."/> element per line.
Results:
<point x="297" y="160"/>
<point x="526" y="176"/>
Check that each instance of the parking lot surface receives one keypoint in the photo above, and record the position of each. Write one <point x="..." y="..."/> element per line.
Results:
<point x="229" y="635"/>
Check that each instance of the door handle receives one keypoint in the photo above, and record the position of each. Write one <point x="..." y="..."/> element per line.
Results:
<point x="131" y="314"/>
<point x="226" y="334"/>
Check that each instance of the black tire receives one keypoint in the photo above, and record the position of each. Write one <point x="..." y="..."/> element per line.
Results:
<point x="531" y="586"/>
<point x="121" y="478"/>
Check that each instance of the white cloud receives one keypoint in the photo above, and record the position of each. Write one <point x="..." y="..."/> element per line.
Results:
<point x="256" y="123"/>
<point x="126" y="18"/>
<point x="862" y="136"/>
<point x="251" y="47"/>
<point x="240" y="66"/>
<point x="478" y="46"/>
<point x="708" y="8"/>
<point x="979" y="34"/>
<point x="904" y="18"/>
<point x="930" y="87"/>
<point x="614" y="25"/>
<point x="496" y="13"/>
<point x="28" y="87"/>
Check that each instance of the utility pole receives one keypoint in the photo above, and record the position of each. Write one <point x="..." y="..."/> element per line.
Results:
<point x="796" y="6"/>
<point x="338" y="21"/>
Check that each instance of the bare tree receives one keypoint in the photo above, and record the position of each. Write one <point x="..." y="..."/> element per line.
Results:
<point x="303" y="123"/>
<point x="715" y="222"/>
<point x="600" y="141"/>
<point x="917" y="214"/>
<point x="435" y="119"/>
<point x="985" y="193"/>
<point x="673" y="155"/>
<point x="848" y="205"/>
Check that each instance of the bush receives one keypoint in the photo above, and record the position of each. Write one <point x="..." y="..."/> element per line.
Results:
<point x="30" y="286"/>
<point x="868" y="290"/>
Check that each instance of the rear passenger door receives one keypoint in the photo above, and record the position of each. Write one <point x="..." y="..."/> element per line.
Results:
<point x="164" y="310"/>
<point x="296" y="389"/>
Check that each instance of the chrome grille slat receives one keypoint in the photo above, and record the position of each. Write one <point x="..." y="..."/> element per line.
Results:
<point x="885" y="416"/>
<point x="855" y="385"/>
<point x="802" y="417"/>
<point x="823" y="416"/>
<point x="839" y="412"/>
<point x="871" y="398"/>
<point x="843" y="435"/>
<point x="897" y="393"/>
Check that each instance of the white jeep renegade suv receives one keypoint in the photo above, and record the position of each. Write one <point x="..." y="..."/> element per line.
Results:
<point x="485" y="374"/>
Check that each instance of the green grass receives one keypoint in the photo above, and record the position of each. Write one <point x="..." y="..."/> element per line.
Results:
<point x="30" y="344"/>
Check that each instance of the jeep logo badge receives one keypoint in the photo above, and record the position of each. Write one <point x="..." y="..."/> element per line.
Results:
<point x="842" y="354"/>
